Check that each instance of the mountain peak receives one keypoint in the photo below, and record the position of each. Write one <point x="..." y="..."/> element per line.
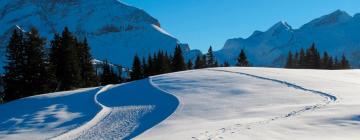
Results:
<point x="335" y="17"/>
<point x="281" y="25"/>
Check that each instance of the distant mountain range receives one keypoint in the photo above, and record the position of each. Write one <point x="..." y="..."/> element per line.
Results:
<point x="337" y="33"/>
<point x="115" y="31"/>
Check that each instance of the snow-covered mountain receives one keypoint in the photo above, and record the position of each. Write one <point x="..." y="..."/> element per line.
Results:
<point x="115" y="31"/>
<point x="336" y="33"/>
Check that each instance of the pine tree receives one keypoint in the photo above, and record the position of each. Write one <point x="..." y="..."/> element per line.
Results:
<point x="296" y="61"/>
<point x="145" y="68"/>
<point x="325" y="61"/>
<point x="198" y="62"/>
<point x="344" y="63"/>
<point x="189" y="65"/>
<point x="226" y="64"/>
<point x="330" y="65"/>
<point x="312" y="58"/>
<point x="108" y="76"/>
<point x="336" y="64"/>
<point x="64" y="57"/>
<point x="136" y="72"/>
<point x="290" y="60"/>
<point x="166" y="63"/>
<point x="119" y="73"/>
<point x="88" y="76"/>
<point x="210" y="58"/>
<point x="149" y="67"/>
<point x="242" y="60"/>
<point x="302" y="59"/>
<point x="37" y="75"/>
<point x="15" y="67"/>
<point x="203" y="61"/>
<point x="178" y="62"/>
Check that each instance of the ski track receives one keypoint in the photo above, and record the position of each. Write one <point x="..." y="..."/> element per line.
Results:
<point x="328" y="98"/>
<point x="102" y="114"/>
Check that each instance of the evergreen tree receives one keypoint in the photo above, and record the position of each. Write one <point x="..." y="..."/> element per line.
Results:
<point x="296" y="60"/>
<point x="290" y="60"/>
<point x="136" y="72"/>
<point x="88" y="75"/>
<point x="330" y="65"/>
<point x="15" y="67"/>
<point x="344" y="63"/>
<point x="312" y="58"/>
<point x="203" y="61"/>
<point x="108" y="76"/>
<point x="64" y="57"/>
<point x="166" y="63"/>
<point x="198" y="62"/>
<point x="302" y="59"/>
<point x="178" y="62"/>
<point x="336" y="64"/>
<point x="37" y="70"/>
<point x="145" y="68"/>
<point x="325" y="61"/>
<point x="148" y="72"/>
<point x="226" y="64"/>
<point x="189" y="65"/>
<point x="119" y="74"/>
<point x="242" y="60"/>
<point x="210" y="58"/>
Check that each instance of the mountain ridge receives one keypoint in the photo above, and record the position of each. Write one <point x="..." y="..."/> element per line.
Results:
<point x="334" y="33"/>
<point x="115" y="31"/>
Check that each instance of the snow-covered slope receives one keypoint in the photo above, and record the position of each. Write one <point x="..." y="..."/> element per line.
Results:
<point x="115" y="31"/>
<point x="335" y="33"/>
<point x="219" y="103"/>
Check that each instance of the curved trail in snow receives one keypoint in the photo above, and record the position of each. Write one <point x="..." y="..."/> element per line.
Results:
<point x="328" y="98"/>
<point x="104" y="111"/>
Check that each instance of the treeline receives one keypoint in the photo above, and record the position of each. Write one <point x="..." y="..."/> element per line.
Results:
<point x="158" y="63"/>
<point x="161" y="62"/>
<point x="311" y="59"/>
<point x="31" y="69"/>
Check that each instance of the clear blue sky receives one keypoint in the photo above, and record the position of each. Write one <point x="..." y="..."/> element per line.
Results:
<point x="202" y="23"/>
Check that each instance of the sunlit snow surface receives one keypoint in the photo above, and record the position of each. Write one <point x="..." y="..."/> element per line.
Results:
<point x="228" y="105"/>
<point x="220" y="103"/>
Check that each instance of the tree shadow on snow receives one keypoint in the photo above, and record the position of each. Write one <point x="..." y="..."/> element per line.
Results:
<point x="53" y="112"/>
